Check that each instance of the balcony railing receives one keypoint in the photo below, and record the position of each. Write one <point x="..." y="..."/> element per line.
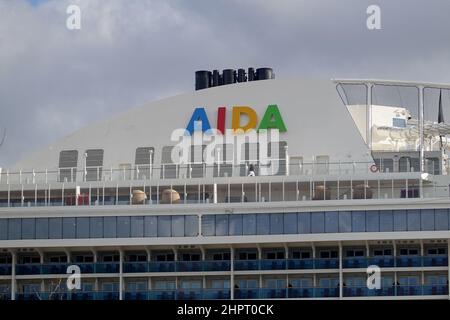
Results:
<point x="247" y="293"/>
<point x="225" y="265"/>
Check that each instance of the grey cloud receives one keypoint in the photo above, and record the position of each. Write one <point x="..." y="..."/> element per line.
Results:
<point x="54" y="81"/>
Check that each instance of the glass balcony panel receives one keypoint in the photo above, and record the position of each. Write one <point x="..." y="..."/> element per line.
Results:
<point x="300" y="292"/>
<point x="189" y="294"/>
<point x="279" y="264"/>
<point x="246" y="294"/>
<point x="355" y="262"/>
<point x="107" y="267"/>
<point x="412" y="261"/>
<point x="409" y="290"/>
<point x="5" y="269"/>
<point x="246" y="265"/>
<point x="326" y="292"/>
<point x="216" y="294"/>
<point x="300" y="264"/>
<point x="86" y="267"/>
<point x="22" y="269"/>
<point x="137" y="295"/>
<point x="130" y="267"/>
<point x="188" y="266"/>
<point x="326" y="263"/>
<point x="435" y="290"/>
<point x="221" y="265"/>
<point x="165" y="266"/>
<point x="273" y="293"/>
<point x="54" y="268"/>
<point x="382" y="262"/>
<point x="435" y="261"/>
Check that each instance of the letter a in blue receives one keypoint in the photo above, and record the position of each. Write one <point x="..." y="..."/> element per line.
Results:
<point x="198" y="115"/>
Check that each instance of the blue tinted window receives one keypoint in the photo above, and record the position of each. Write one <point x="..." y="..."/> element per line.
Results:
<point x="41" y="228"/>
<point x="164" y="226"/>
<point x="221" y="225"/>
<point x="69" y="228"/>
<point x="413" y="220"/>
<point x="317" y="222"/>
<point x="304" y="222"/>
<point x="276" y="223"/>
<point x="137" y="227"/>
<point x="28" y="228"/>
<point x="290" y="223"/>
<point x="123" y="227"/>
<point x="427" y="219"/>
<point x="235" y="224"/>
<point x="441" y="219"/>
<point x="386" y="221"/>
<point x="372" y="221"/>
<point x="209" y="225"/>
<point x="96" y="227"/>
<point x="345" y="221"/>
<point x="399" y="220"/>
<point x="3" y="229"/>
<point x="331" y="222"/>
<point x="82" y="228"/>
<point x="249" y="224"/>
<point x="151" y="226"/>
<point x="399" y="122"/>
<point x="14" y="229"/>
<point x="110" y="227"/>
<point x="191" y="226"/>
<point x="177" y="226"/>
<point x="55" y="228"/>
<point x="358" y="221"/>
<point x="262" y="223"/>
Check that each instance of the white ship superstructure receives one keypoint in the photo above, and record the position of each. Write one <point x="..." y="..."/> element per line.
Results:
<point x="359" y="178"/>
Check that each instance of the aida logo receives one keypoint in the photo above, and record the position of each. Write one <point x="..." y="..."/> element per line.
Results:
<point x="243" y="118"/>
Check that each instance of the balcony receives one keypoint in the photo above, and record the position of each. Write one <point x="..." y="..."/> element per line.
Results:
<point x="5" y="269"/>
<point x="409" y="261"/>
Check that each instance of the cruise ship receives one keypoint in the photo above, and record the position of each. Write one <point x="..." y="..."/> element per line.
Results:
<point x="248" y="187"/>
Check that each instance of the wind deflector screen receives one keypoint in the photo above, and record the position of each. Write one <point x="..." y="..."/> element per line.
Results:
<point x="68" y="159"/>
<point x="143" y="156"/>
<point x="94" y="158"/>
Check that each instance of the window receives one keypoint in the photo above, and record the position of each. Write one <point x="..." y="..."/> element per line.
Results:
<point x="373" y="221"/>
<point x="177" y="226"/>
<point x="3" y="229"/>
<point x="399" y="220"/>
<point x="137" y="227"/>
<point x="262" y="223"/>
<point x="345" y="221"/>
<point x="151" y="226"/>
<point x="96" y="227"/>
<point x="441" y="219"/>
<point x="123" y="227"/>
<point x="276" y="223"/>
<point x="358" y="221"/>
<point x="55" y="228"/>
<point x="14" y="229"/>
<point x="110" y="227"/>
<point x="386" y="221"/>
<point x="427" y="219"/>
<point x="169" y="170"/>
<point x="249" y="223"/>
<point x="82" y="228"/>
<point x="28" y="228"/>
<point x="399" y="122"/>
<point x="304" y="222"/>
<point x="221" y="225"/>
<point x="164" y="226"/>
<point x="208" y="225"/>
<point x="413" y="220"/>
<point x="69" y="228"/>
<point x="331" y="222"/>
<point x="191" y="226"/>
<point x="235" y="224"/>
<point x="290" y="223"/>
<point x="41" y="228"/>
<point x="317" y="222"/>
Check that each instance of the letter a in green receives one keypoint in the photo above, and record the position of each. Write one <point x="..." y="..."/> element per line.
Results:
<point x="272" y="119"/>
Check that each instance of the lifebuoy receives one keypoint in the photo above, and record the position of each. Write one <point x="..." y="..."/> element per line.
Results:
<point x="374" y="168"/>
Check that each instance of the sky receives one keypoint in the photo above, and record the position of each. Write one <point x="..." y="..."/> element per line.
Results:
<point x="54" y="81"/>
